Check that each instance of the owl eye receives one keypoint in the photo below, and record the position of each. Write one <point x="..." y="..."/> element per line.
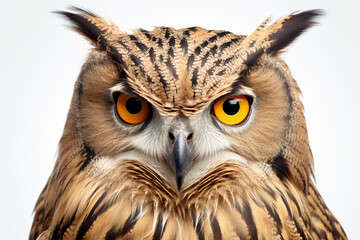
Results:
<point x="232" y="110"/>
<point x="132" y="110"/>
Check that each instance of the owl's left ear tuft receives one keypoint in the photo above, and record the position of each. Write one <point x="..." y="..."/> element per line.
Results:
<point x="272" y="39"/>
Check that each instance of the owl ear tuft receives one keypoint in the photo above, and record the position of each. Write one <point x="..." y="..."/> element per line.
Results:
<point x="271" y="39"/>
<point x="290" y="28"/>
<point x="88" y="24"/>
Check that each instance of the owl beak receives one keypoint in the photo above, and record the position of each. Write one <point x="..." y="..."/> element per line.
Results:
<point x="180" y="136"/>
<point x="181" y="158"/>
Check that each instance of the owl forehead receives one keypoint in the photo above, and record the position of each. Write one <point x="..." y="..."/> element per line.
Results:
<point x="181" y="69"/>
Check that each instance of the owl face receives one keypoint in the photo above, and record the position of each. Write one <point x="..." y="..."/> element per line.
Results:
<point x="182" y="101"/>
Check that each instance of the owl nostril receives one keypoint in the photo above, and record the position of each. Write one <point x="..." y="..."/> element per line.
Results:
<point x="172" y="137"/>
<point x="189" y="137"/>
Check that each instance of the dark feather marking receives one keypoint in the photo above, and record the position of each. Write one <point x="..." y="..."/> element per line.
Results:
<point x="160" y="43"/>
<point x="92" y="216"/>
<point x="136" y="60"/>
<point x="167" y="33"/>
<point x="68" y="223"/>
<point x="275" y="216"/>
<point x="157" y="69"/>
<point x="225" y="45"/>
<point x="186" y="33"/>
<point x="300" y="230"/>
<point x="171" y="67"/>
<point x="291" y="29"/>
<point x="218" y="62"/>
<point x="88" y="154"/>
<point x="115" y="55"/>
<point x="223" y="34"/>
<point x="146" y="33"/>
<point x="57" y="235"/>
<point x="213" y="38"/>
<point x="210" y="71"/>
<point x="252" y="43"/>
<point x="152" y="55"/>
<point x="222" y="72"/>
<point x="213" y="50"/>
<point x="286" y="204"/>
<point x="226" y="61"/>
<point x="218" y="35"/>
<point x="141" y="46"/>
<point x="291" y="196"/>
<point x="133" y="38"/>
<point x="235" y="40"/>
<point x="194" y="77"/>
<point x="172" y="42"/>
<point x="280" y="167"/>
<point x="158" y="229"/>
<point x="193" y="29"/>
<point x="124" y="45"/>
<point x="204" y="60"/>
<point x="252" y="59"/>
<point x="198" y="50"/>
<point x="228" y="44"/>
<point x="190" y="61"/>
<point x="204" y="44"/>
<point x="246" y="213"/>
<point x="80" y="89"/>
<point x="141" y="68"/>
<point x="128" y="225"/>
<point x="237" y="84"/>
<point x="171" y="53"/>
<point x="184" y="45"/>
<point x="149" y="80"/>
<point x="198" y="229"/>
<point x="216" y="229"/>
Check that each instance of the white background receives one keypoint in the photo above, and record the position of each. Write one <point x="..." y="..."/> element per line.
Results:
<point x="40" y="60"/>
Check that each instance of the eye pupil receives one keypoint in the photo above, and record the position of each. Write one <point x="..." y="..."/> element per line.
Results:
<point x="133" y="105"/>
<point x="231" y="106"/>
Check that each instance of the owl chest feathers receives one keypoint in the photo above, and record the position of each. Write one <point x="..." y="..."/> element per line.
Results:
<point x="134" y="202"/>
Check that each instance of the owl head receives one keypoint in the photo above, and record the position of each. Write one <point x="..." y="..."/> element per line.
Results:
<point x="181" y="101"/>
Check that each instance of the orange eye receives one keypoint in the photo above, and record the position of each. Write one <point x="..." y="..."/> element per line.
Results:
<point x="232" y="110"/>
<point x="131" y="109"/>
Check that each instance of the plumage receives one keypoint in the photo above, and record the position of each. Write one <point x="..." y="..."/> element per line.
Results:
<point x="180" y="172"/>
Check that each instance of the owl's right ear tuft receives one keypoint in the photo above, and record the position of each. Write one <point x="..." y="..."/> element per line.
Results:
<point x="88" y="24"/>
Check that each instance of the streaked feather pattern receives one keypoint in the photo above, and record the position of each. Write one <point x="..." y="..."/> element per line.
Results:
<point x="91" y="195"/>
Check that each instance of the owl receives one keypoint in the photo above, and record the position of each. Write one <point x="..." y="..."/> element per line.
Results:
<point x="184" y="134"/>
